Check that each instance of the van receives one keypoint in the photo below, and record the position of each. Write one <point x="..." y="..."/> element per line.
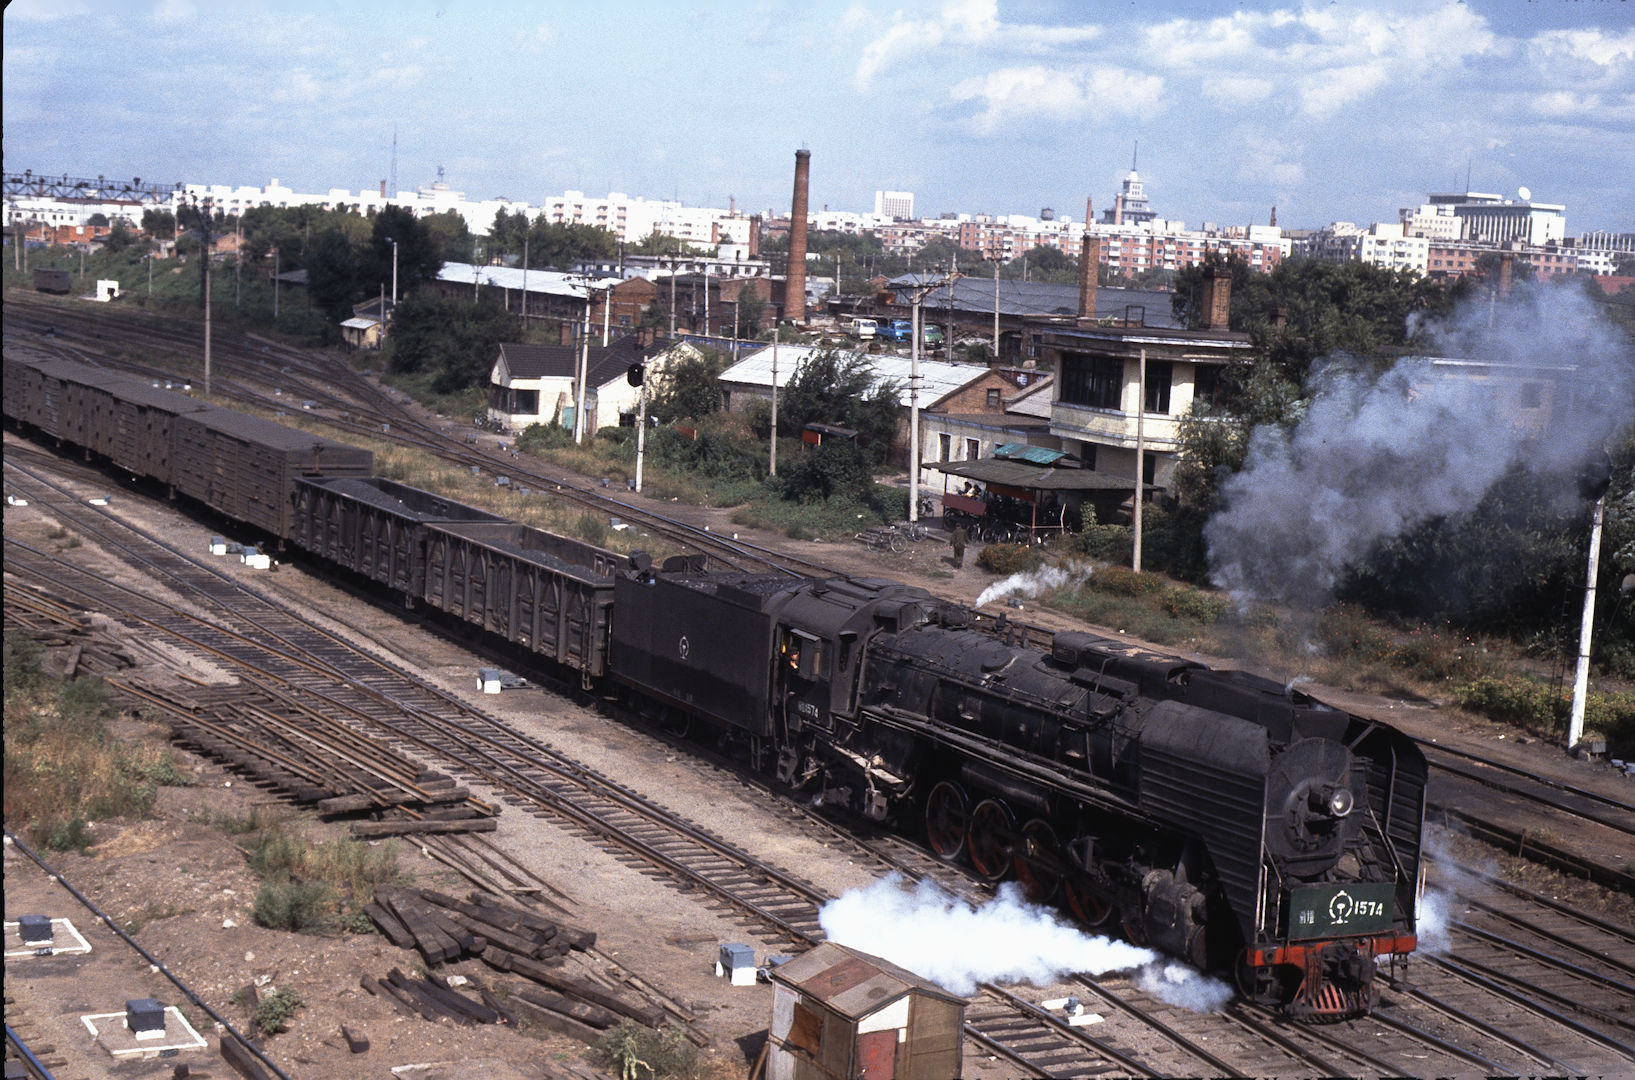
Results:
<point x="862" y="329"/>
<point x="930" y="334"/>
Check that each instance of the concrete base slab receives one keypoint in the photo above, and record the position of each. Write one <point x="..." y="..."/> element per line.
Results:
<point x="66" y="940"/>
<point x="109" y="1030"/>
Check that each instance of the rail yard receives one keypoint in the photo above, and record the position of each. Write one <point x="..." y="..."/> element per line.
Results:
<point x="323" y="705"/>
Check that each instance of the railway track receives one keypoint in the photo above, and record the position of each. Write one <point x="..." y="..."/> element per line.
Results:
<point x="1507" y="1049"/>
<point x="364" y="693"/>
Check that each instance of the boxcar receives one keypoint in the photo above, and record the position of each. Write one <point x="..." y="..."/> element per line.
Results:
<point x="59" y="408"/>
<point x="549" y="594"/>
<point x="21" y="391"/>
<point x="143" y="428"/>
<point x="245" y="467"/>
<point x="374" y="527"/>
<point x="51" y="281"/>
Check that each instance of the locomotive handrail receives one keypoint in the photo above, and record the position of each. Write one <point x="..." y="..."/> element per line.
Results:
<point x="1006" y="759"/>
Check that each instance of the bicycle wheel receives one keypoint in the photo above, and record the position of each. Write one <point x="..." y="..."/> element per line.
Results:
<point x="916" y="532"/>
<point x="898" y="543"/>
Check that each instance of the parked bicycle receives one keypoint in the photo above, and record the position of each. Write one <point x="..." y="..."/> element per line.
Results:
<point x="884" y="537"/>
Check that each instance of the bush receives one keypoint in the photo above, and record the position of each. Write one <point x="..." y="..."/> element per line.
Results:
<point x="1122" y="581"/>
<point x="634" y="1052"/>
<point x="290" y="905"/>
<point x="537" y="438"/>
<point x="1537" y="707"/>
<point x="1008" y="559"/>
<point x="274" y="1013"/>
<point x="591" y="528"/>
<point x="1195" y="605"/>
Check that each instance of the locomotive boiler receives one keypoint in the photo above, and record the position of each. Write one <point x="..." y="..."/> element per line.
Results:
<point x="1214" y="815"/>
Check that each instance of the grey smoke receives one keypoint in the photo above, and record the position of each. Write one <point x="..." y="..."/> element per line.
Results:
<point x="1031" y="583"/>
<point x="1378" y="453"/>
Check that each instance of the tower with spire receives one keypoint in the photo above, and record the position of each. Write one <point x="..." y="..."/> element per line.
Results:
<point x="1130" y="205"/>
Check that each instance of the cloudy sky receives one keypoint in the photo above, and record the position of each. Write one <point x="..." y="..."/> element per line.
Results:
<point x="1328" y="109"/>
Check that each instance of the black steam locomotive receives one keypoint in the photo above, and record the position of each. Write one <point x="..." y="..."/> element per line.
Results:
<point x="1211" y="814"/>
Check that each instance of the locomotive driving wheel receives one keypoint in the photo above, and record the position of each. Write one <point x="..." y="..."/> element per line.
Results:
<point x="1086" y="904"/>
<point x="1038" y="861"/>
<point x="993" y="839"/>
<point x="947" y="813"/>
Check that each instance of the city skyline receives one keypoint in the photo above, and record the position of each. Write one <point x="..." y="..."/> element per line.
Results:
<point x="1344" y="111"/>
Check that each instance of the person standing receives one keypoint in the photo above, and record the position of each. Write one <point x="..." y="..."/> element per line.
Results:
<point x="960" y="537"/>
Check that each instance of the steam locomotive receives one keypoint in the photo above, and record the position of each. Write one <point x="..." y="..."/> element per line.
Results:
<point x="1213" y="815"/>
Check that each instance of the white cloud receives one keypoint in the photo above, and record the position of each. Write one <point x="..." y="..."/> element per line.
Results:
<point x="1324" y="93"/>
<point x="1236" y="90"/>
<point x="48" y="10"/>
<point x="174" y="11"/>
<point x="1013" y="95"/>
<point x="1594" y="46"/>
<point x="972" y="26"/>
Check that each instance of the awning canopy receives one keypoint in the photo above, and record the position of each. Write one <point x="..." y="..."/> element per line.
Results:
<point x="1019" y="474"/>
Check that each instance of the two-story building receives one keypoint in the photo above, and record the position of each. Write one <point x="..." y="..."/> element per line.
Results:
<point x="1122" y="387"/>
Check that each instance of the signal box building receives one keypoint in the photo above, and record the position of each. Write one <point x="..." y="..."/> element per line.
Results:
<point x="841" y="1014"/>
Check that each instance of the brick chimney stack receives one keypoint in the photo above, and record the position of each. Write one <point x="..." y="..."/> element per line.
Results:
<point x="1118" y="209"/>
<point x="1089" y="264"/>
<point x="1217" y="305"/>
<point x="1507" y="265"/>
<point x="794" y="289"/>
<point x="755" y="236"/>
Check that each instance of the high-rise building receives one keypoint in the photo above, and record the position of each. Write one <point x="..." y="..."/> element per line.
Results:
<point x="894" y="205"/>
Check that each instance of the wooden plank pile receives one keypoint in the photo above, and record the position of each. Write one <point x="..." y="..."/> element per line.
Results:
<point x="508" y="939"/>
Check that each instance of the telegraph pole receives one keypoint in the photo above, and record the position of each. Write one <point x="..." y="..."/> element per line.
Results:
<point x="772" y="468"/>
<point x="920" y="290"/>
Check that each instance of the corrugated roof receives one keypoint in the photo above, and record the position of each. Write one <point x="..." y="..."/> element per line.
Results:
<point x="551" y="282"/>
<point x="562" y="361"/>
<point x="1017" y="298"/>
<point x="1019" y="474"/>
<point x="851" y="982"/>
<point x="1038" y="455"/>
<point x="938" y="378"/>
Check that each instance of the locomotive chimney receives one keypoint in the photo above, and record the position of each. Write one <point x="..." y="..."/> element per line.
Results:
<point x="1089" y="264"/>
<point x="794" y="289"/>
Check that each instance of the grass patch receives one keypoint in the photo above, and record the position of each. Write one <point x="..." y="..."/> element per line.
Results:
<point x="62" y="769"/>
<point x="153" y="911"/>
<point x="315" y="887"/>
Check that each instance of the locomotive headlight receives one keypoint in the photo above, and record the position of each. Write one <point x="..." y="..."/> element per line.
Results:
<point x="1335" y="802"/>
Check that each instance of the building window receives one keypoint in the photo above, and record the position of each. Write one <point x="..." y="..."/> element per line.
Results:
<point x="1095" y="381"/>
<point x="1206" y="387"/>
<point x="524" y="402"/>
<point x="1159" y="375"/>
<point x="945" y="446"/>
<point x="993" y="397"/>
<point x="973" y="449"/>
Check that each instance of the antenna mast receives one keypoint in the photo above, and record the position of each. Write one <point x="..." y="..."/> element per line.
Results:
<point x="393" y="174"/>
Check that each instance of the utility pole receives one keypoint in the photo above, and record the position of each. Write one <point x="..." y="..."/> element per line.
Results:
<point x="607" y="309"/>
<point x="996" y="312"/>
<point x="584" y="366"/>
<point x="920" y="289"/>
<point x="672" y="297"/>
<point x="1140" y="457"/>
<point x="525" y="282"/>
<point x="275" y="281"/>
<point x="1581" y="677"/>
<point x="641" y="427"/>
<point x="772" y="468"/>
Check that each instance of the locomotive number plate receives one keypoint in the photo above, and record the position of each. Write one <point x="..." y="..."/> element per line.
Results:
<point x="1340" y="910"/>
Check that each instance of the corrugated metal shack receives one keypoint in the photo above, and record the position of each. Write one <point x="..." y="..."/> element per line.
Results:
<point x="841" y="1014"/>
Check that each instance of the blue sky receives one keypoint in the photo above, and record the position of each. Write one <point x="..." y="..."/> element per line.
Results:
<point x="1329" y="110"/>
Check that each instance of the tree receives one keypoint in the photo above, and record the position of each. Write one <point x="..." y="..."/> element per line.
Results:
<point x="419" y="255"/>
<point x="119" y="237"/>
<point x="830" y="389"/>
<point x="688" y="387"/>
<point x="1042" y="264"/>
<point x="449" y="338"/>
<point x="664" y="244"/>
<point x="159" y="224"/>
<point x="452" y="236"/>
<point x="332" y="275"/>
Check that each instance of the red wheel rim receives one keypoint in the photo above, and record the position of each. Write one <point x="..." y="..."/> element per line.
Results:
<point x="946" y="818"/>
<point x="1038" y="861"/>
<point x="993" y="838"/>
<point x="1087" y="905"/>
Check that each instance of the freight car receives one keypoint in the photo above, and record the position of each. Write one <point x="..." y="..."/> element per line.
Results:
<point x="47" y="280"/>
<point x="1212" y="814"/>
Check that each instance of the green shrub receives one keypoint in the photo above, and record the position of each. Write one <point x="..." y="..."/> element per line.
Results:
<point x="1195" y="604"/>
<point x="591" y="528"/>
<point x="1122" y="581"/>
<point x="536" y="438"/>
<point x="293" y="905"/>
<point x="1008" y="559"/>
<point x="71" y="835"/>
<point x="274" y="1013"/>
<point x="634" y="1052"/>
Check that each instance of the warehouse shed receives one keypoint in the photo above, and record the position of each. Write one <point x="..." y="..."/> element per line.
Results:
<point x="841" y="1014"/>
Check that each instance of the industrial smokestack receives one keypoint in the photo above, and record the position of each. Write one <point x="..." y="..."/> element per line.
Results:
<point x="1089" y="264"/>
<point x="1507" y="263"/>
<point x="1118" y="209"/>
<point x="755" y="236"/>
<point x="794" y="290"/>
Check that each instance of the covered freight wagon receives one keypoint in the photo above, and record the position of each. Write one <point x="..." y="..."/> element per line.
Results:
<point x="246" y="467"/>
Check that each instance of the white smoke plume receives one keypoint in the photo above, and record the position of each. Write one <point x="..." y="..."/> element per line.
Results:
<point x="957" y="946"/>
<point x="1175" y="983"/>
<point x="1376" y="455"/>
<point x="1031" y="583"/>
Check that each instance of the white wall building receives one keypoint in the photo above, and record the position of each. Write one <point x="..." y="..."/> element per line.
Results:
<point x="894" y="204"/>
